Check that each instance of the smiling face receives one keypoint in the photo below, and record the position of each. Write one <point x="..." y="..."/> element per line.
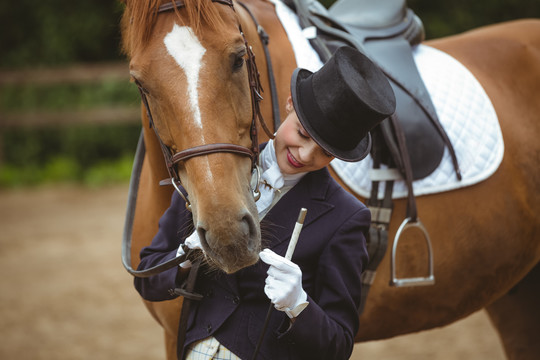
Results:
<point x="296" y="151"/>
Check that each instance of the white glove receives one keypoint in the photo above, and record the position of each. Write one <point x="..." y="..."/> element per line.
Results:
<point x="192" y="242"/>
<point x="284" y="284"/>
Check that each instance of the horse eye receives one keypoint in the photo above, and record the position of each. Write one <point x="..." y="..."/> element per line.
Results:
<point x="238" y="63"/>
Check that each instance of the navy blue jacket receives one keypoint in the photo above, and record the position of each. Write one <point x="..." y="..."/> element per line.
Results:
<point x="331" y="252"/>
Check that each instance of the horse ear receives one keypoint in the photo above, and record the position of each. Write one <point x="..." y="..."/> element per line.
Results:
<point x="123" y="2"/>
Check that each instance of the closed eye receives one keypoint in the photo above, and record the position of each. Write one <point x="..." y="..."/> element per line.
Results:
<point x="305" y="135"/>
<point x="239" y="60"/>
<point x="302" y="135"/>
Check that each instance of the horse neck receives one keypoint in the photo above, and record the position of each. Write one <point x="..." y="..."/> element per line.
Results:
<point x="281" y="53"/>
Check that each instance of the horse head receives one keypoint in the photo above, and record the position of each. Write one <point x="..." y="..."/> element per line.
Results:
<point x="189" y="59"/>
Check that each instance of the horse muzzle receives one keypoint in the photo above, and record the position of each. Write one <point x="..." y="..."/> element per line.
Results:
<point x="233" y="245"/>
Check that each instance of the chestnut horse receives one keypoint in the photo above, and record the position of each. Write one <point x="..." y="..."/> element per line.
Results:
<point x="190" y="64"/>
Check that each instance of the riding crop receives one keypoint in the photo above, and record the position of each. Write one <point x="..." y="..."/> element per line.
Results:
<point x="288" y="255"/>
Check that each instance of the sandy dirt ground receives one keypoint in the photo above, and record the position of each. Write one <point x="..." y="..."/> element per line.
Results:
<point x="65" y="295"/>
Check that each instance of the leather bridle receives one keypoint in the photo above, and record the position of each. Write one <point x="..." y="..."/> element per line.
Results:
<point x="172" y="159"/>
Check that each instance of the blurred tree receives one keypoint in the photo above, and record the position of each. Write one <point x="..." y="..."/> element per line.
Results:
<point x="443" y="18"/>
<point x="56" y="32"/>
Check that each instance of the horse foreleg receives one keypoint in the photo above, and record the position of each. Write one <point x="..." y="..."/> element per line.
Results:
<point x="167" y="314"/>
<point x="171" y="342"/>
<point x="516" y="317"/>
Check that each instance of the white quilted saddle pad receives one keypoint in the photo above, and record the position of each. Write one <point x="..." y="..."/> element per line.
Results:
<point x="463" y="108"/>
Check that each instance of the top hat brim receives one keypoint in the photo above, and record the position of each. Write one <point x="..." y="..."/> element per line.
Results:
<point x="356" y="154"/>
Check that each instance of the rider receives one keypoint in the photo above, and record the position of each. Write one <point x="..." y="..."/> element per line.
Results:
<point x="317" y="294"/>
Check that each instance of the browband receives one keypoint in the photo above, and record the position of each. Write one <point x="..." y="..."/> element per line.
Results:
<point x="180" y="4"/>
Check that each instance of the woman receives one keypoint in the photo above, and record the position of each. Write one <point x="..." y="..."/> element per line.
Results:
<point x="317" y="294"/>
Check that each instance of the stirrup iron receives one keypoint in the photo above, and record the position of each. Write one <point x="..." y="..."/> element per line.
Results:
<point x="415" y="281"/>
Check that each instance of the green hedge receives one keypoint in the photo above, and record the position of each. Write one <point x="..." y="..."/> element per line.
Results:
<point x="56" y="32"/>
<point x="443" y="18"/>
<point x="93" y="155"/>
<point x="81" y="96"/>
<point x="59" y="32"/>
<point x="89" y="154"/>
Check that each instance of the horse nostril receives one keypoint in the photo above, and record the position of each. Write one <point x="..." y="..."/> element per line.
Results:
<point x="202" y="237"/>
<point x="244" y="226"/>
<point x="250" y="230"/>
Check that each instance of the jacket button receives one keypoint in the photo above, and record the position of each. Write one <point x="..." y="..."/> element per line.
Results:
<point x="236" y="300"/>
<point x="209" y="328"/>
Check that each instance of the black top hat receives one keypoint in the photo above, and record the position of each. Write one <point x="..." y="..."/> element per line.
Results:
<point x="340" y="103"/>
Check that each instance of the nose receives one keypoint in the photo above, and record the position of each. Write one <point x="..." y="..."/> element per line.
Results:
<point x="307" y="152"/>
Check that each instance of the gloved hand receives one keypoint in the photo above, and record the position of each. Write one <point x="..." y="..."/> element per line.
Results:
<point x="192" y="242"/>
<point x="284" y="284"/>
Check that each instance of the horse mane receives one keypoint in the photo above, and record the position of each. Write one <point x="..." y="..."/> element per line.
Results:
<point x="140" y="16"/>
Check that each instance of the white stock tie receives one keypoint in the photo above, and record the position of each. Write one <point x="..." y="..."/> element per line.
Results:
<point x="271" y="178"/>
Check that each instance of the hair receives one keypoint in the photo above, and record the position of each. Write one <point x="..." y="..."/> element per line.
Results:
<point x="140" y="17"/>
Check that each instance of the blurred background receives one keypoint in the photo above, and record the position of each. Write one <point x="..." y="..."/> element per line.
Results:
<point x="69" y="124"/>
<point x="67" y="110"/>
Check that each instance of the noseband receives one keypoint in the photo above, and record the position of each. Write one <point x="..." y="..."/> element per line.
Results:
<point x="172" y="159"/>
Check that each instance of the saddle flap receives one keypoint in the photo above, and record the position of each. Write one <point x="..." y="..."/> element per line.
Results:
<point x="368" y="13"/>
<point x="424" y="143"/>
<point x="389" y="45"/>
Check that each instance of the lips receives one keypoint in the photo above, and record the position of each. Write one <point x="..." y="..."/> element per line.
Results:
<point x="293" y="161"/>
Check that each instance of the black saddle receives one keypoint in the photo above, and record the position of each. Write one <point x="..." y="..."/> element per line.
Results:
<point x="386" y="31"/>
<point x="412" y="140"/>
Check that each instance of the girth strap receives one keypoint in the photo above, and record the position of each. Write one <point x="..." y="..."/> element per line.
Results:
<point x="381" y="212"/>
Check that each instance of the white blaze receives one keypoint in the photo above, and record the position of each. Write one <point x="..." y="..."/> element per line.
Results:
<point x="186" y="49"/>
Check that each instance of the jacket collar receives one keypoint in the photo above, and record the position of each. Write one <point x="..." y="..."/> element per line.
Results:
<point x="311" y="193"/>
<point x="277" y="226"/>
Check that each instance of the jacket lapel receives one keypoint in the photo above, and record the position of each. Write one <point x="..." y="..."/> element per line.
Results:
<point x="310" y="193"/>
<point x="277" y="226"/>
